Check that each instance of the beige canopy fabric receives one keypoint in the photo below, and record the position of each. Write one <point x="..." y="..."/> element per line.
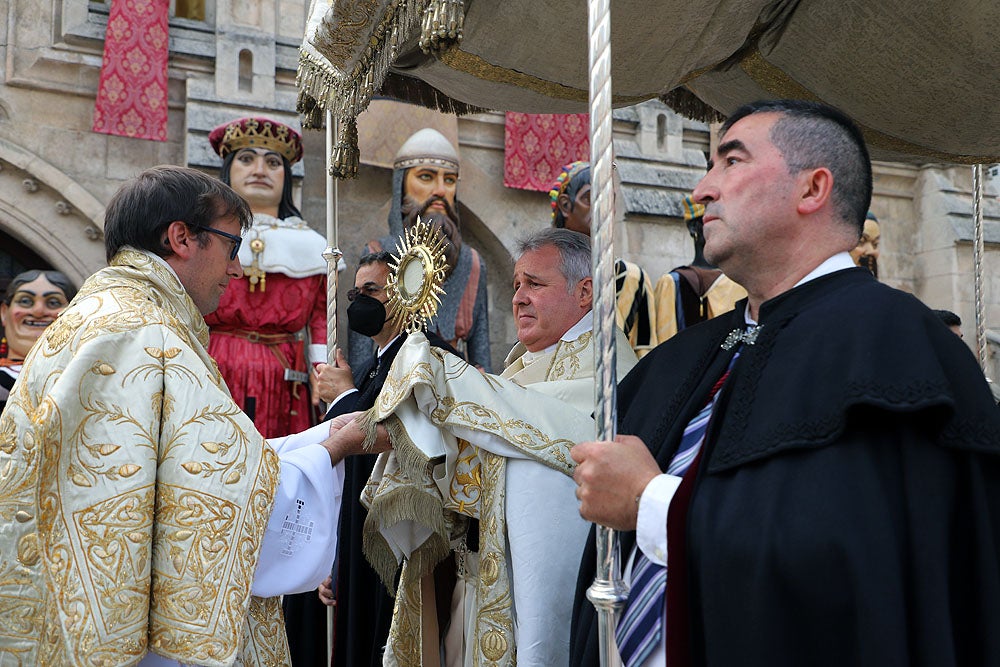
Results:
<point x="920" y="78"/>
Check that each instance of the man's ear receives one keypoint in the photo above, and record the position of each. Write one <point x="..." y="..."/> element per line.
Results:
<point x="817" y="189"/>
<point x="585" y="290"/>
<point x="180" y="239"/>
<point x="565" y="204"/>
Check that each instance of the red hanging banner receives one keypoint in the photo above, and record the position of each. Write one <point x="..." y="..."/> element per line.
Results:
<point x="132" y="95"/>
<point x="536" y="146"/>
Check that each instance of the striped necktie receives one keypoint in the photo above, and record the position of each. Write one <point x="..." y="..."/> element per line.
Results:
<point x="641" y="625"/>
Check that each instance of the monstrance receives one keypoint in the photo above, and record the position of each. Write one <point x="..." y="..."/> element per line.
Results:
<point x="416" y="275"/>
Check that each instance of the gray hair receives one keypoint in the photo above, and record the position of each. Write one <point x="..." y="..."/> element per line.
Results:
<point x="574" y="252"/>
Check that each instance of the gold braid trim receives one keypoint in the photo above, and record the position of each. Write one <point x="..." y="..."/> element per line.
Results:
<point x="416" y="502"/>
<point x="778" y="83"/>
<point x="463" y="61"/>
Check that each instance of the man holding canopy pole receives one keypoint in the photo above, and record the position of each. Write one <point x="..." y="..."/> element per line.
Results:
<point x="814" y="478"/>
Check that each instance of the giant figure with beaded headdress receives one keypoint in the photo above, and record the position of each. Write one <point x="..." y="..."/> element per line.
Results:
<point x="424" y="181"/>
<point x="634" y="306"/>
<point x="687" y="295"/>
<point x="271" y="324"/>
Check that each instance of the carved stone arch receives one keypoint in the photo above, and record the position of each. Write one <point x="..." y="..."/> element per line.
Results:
<point x="50" y="213"/>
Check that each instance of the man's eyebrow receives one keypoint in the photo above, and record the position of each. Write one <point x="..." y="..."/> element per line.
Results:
<point x="258" y="151"/>
<point x="730" y="146"/>
<point x="530" y="276"/>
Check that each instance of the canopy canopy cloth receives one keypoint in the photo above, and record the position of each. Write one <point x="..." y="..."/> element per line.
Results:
<point x="919" y="78"/>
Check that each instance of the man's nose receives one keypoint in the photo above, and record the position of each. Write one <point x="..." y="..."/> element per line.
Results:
<point x="439" y="186"/>
<point x="234" y="269"/>
<point x="705" y="191"/>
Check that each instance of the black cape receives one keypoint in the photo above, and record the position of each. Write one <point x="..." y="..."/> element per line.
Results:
<point x="846" y="510"/>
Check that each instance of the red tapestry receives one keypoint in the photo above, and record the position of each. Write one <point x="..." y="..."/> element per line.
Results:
<point x="132" y="95"/>
<point x="536" y="146"/>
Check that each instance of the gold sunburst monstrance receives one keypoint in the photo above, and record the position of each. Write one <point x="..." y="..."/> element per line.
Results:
<point x="416" y="275"/>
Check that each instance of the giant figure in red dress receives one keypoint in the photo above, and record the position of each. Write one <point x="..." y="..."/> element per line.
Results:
<point x="271" y="325"/>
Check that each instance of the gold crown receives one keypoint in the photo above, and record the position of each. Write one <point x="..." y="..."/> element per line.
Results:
<point x="257" y="133"/>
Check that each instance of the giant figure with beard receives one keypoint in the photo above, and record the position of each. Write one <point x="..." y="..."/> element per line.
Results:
<point x="425" y="181"/>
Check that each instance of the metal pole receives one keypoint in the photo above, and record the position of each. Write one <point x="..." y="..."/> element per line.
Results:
<point x="608" y="592"/>
<point x="978" y="251"/>
<point x="332" y="255"/>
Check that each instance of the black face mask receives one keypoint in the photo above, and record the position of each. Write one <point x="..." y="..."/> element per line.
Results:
<point x="366" y="315"/>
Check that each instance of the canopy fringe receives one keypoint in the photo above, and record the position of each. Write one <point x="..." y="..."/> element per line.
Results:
<point x="346" y="155"/>
<point x="686" y="103"/>
<point x="442" y="25"/>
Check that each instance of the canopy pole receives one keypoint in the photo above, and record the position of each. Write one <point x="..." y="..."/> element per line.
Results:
<point x="332" y="253"/>
<point x="332" y="256"/>
<point x="978" y="251"/>
<point x="608" y="592"/>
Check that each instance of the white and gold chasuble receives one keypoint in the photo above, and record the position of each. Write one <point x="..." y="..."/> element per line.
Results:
<point x="468" y="444"/>
<point x="134" y="494"/>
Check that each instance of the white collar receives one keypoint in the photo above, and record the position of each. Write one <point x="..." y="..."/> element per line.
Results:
<point x="839" y="262"/>
<point x="157" y="258"/>
<point x="585" y="324"/>
<point x="385" y="347"/>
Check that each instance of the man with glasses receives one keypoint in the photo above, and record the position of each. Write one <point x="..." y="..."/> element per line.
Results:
<point x="271" y="323"/>
<point x="146" y="519"/>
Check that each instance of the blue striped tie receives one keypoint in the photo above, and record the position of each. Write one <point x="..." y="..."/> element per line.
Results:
<point x="641" y="625"/>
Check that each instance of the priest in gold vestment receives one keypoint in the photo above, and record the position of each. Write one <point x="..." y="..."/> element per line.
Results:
<point x="473" y="449"/>
<point x="143" y="520"/>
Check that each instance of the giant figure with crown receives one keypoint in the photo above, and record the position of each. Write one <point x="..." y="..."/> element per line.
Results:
<point x="271" y="325"/>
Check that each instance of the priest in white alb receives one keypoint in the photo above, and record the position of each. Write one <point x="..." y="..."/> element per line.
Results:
<point x="478" y="488"/>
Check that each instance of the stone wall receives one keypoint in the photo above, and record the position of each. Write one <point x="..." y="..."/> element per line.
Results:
<point x="56" y="175"/>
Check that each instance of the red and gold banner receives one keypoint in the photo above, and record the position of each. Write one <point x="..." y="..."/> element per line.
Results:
<point x="132" y="95"/>
<point x="536" y="146"/>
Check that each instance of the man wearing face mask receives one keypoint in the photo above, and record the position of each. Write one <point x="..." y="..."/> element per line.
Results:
<point x="363" y="606"/>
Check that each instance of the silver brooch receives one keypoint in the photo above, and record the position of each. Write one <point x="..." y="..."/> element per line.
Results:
<point x="737" y="336"/>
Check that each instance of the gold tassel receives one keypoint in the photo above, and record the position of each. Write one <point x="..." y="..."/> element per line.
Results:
<point x="346" y="156"/>
<point x="442" y="25"/>
<point x="312" y="115"/>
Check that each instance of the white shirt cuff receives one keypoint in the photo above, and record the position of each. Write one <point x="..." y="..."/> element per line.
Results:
<point x="317" y="354"/>
<point x="651" y="523"/>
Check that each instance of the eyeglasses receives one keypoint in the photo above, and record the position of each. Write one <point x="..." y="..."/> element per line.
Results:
<point x="237" y="240"/>
<point x="368" y="290"/>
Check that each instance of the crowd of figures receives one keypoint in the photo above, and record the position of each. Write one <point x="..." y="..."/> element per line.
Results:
<point x="184" y="479"/>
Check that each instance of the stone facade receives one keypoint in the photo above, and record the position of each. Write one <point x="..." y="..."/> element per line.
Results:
<point x="56" y="175"/>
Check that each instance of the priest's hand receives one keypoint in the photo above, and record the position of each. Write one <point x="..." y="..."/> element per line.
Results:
<point x="610" y="478"/>
<point x="330" y="381"/>
<point x="347" y="438"/>
<point x="325" y="592"/>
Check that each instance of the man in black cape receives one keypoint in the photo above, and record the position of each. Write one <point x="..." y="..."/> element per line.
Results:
<point x="844" y="507"/>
